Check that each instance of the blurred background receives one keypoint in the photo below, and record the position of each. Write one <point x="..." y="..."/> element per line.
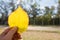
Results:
<point x="44" y="18"/>
<point x="41" y="12"/>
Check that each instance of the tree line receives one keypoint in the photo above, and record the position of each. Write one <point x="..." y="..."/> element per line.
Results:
<point x="37" y="16"/>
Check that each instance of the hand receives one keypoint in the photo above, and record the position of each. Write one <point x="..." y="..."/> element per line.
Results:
<point x="10" y="34"/>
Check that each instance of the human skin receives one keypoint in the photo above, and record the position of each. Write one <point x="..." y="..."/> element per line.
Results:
<point x="10" y="34"/>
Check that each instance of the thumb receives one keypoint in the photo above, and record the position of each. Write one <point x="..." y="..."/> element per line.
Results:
<point x="11" y="32"/>
<point x="5" y="32"/>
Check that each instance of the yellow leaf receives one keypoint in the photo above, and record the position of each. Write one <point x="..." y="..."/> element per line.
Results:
<point x="20" y="19"/>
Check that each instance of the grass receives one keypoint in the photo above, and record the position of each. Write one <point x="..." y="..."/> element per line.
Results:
<point x="39" y="35"/>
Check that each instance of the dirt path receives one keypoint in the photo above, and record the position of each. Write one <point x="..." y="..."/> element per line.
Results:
<point x="44" y="28"/>
<point x="36" y="34"/>
<point x="50" y="28"/>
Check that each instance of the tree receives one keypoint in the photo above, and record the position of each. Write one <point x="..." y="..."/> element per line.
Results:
<point x="52" y="10"/>
<point x="32" y="9"/>
<point x="52" y="14"/>
<point x="12" y="4"/>
<point x="47" y="15"/>
<point x="34" y="12"/>
<point x="3" y="11"/>
<point x="58" y="7"/>
<point x="47" y="10"/>
<point x="58" y="15"/>
<point x="5" y="7"/>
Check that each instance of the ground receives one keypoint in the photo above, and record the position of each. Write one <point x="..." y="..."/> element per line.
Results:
<point x="39" y="34"/>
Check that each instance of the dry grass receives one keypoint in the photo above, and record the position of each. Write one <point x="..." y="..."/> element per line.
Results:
<point x="39" y="35"/>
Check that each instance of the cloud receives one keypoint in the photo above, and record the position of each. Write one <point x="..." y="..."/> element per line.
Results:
<point x="55" y="5"/>
<point x="42" y="7"/>
<point x="18" y="2"/>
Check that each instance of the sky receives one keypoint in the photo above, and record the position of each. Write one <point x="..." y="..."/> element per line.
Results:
<point x="49" y="3"/>
<point x="42" y="3"/>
